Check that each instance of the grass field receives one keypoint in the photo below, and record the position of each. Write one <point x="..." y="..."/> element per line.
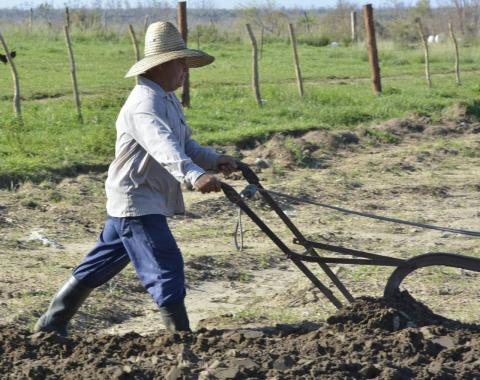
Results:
<point x="420" y="171"/>
<point x="338" y="95"/>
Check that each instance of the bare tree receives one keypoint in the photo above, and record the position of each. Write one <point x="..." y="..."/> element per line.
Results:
<point x="397" y="8"/>
<point x="465" y="13"/>
<point x="206" y="9"/>
<point x="306" y="21"/>
<point x="44" y="12"/>
<point x="460" y="6"/>
<point x="336" y="24"/>
<point x="265" y="15"/>
<point x="96" y="4"/>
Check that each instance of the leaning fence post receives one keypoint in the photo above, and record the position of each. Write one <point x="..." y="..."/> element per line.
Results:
<point x="423" y="38"/>
<point x="372" y="49"/>
<point x="182" y="25"/>
<point x="67" y="17"/>
<point x="295" y="60"/>
<point x="135" y="45"/>
<point x="457" y="60"/>
<point x="256" y="87"/>
<point x="353" y="25"/>
<point x="262" y="31"/>
<point x="73" y="72"/>
<point x="16" y="82"/>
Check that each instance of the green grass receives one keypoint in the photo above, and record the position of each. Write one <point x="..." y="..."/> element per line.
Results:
<point x="337" y="88"/>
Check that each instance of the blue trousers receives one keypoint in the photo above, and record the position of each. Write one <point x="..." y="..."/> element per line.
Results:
<point x="148" y="243"/>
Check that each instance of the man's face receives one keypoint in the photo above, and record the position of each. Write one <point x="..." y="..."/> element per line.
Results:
<point x="171" y="74"/>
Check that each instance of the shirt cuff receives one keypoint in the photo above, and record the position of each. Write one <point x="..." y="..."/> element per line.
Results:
<point x="193" y="173"/>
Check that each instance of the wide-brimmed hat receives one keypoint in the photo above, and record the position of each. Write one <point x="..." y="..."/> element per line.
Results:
<point x="164" y="43"/>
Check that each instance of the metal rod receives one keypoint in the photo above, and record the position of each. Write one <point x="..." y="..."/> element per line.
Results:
<point x="352" y="252"/>
<point x="342" y="260"/>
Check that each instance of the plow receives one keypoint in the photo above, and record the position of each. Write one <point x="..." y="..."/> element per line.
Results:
<point x="309" y="250"/>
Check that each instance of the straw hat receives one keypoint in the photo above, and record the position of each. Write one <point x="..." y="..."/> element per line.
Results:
<point x="164" y="43"/>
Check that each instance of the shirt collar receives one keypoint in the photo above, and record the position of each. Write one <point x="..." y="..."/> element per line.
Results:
<point x="154" y="86"/>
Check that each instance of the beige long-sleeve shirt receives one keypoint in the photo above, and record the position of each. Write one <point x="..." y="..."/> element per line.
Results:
<point x="154" y="154"/>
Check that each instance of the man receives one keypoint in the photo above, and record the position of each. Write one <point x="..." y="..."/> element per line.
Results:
<point x="154" y="153"/>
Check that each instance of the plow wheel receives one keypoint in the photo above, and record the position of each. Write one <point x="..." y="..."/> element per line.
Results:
<point x="428" y="260"/>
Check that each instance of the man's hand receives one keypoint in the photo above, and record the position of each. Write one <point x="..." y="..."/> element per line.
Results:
<point x="207" y="183"/>
<point x="226" y="164"/>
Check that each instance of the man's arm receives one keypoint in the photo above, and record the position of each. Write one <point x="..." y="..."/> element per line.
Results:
<point x="205" y="157"/>
<point x="155" y="136"/>
<point x="209" y="159"/>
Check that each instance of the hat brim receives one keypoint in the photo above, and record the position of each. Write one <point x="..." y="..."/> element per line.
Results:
<point x="193" y="58"/>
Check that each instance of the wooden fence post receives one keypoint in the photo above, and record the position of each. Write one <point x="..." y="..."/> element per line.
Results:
<point x="104" y="17"/>
<point x="295" y="59"/>
<point x="16" y="82"/>
<point x="423" y="38"/>
<point x="146" y="22"/>
<point x="135" y="45"/>
<point x="183" y="28"/>
<point x="372" y="49"/>
<point x="73" y="72"/>
<point x="255" y="85"/>
<point x="67" y="17"/>
<point x="307" y="22"/>
<point x="262" y="32"/>
<point x="30" y="20"/>
<point x="353" y="25"/>
<point x="457" y="59"/>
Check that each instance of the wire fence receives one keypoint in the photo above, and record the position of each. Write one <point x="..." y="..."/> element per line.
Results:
<point x="101" y="67"/>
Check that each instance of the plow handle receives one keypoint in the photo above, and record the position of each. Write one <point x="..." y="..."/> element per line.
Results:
<point x="248" y="173"/>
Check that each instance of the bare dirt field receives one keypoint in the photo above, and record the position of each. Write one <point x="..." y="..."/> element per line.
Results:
<point x="255" y="314"/>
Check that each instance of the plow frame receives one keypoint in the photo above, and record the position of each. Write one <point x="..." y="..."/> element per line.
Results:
<point x="403" y="267"/>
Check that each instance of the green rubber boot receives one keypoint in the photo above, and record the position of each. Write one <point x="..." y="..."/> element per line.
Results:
<point x="63" y="307"/>
<point x="175" y="317"/>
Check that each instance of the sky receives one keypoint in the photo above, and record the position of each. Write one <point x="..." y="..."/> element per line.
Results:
<point x="218" y="3"/>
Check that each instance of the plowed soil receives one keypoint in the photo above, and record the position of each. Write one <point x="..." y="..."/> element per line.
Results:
<point x="255" y="316"/>
<point x="371" y="338"/>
